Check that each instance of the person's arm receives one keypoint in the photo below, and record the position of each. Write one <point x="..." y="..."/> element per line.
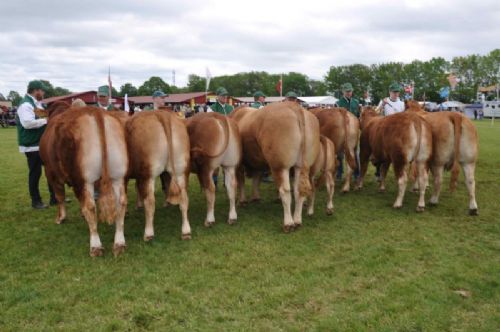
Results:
<point x="26" y="116"/>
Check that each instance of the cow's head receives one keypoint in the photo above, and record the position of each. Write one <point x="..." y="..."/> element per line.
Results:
<point x="413" y="106"/>
<point x="367" y="114"/>
<point x="57" y="108"/>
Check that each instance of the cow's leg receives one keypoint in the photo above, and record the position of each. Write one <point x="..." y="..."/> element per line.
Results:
<point x="470" y="182"/>
<point x="414" y="176"/>
<point x="230" y="180"/>
<point x="299" y="199"/>
<point x="364" y="157"/>
<point x="437" y="173"/>
<point x="121" y="207"/>
<point x="240" y="176"/>
<point x="256" y="177"/>
<point x="165" y="179"/>
<point x="139" y="204"/>
<point x="87" y="202"/>
<point x="421" y="177"/>
<point x="282" y="180"/>
<point x="147" y="192"/>
<point x="184" y="205"/>
<point x="205" y="177"/>
<point x="384" y="168"/>
<point x="59" y="192"/>
<point x="312" y="197"/>
<point x="347" y="180"/>
<point x="400" y="172"/>
<point x="330" y="189"/>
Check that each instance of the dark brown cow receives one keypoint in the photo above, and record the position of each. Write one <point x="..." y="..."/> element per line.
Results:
<point x="325" y="166"/>
<point x="279" y="137"/>
<point x="342" y="128"/>
<point x="455" y="143"/>
<point x="397" y="139"/>
<point x="85" y="148"/>
<point x="159" y="142"/>
<point x="215" y="142"/>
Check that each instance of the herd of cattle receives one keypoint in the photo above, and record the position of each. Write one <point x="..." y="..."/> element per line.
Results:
<point x="97" y="152"/>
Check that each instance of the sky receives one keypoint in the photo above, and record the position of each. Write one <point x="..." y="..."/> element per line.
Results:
<point x="72" y="43"/>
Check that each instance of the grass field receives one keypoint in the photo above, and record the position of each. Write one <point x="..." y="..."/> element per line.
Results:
<point x="367" y="267"/>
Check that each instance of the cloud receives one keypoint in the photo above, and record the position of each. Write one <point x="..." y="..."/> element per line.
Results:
<point x="72" y="43"/>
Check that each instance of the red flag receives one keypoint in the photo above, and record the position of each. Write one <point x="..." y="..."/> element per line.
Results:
<point x="279" y="86"/>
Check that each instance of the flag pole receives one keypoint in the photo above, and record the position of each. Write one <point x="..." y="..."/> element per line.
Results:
<point x="281" y="85"/>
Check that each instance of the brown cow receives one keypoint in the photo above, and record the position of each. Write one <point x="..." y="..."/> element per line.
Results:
<point x="399" y="139"/>
<point x="158" y="142"/>
<point x="455" y="143"/>
<point x="85" y="148"/>
<point x="342" y="128"/>
<point x="325" y="166"/>
<point x="215" y="142"/>
<point x="279" y="137"/>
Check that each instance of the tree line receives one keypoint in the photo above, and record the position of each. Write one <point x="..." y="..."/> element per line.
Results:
<point x="427" y="77"/>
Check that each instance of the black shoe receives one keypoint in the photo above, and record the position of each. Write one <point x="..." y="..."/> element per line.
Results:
<point x="38" y="205"/>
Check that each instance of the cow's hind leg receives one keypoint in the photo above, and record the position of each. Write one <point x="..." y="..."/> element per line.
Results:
<point x="282" y="180"/>
<point x="230" y="180"/>
<point x="299" y="198"/>
<point x="330" y="189"/>
<point x="384" y="168"/>
<point x="421" y="178"/>
<point x="60" y="194"/>
<point x="206" y="182"/>
<point x="402" y="177"/>
<point x="147" y="192"/>
<point x="181" y="180"/>
<point x="256" y="178"/>
<point x="470" y="182"/>
<point x="437" y="173"/>
<point x="240" y="177"/>
<point x="121" y="204"/>
<point x="312" y="197"/>
<point x="86" y="197"/>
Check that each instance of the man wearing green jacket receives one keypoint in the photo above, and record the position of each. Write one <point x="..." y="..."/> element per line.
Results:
<point x="221" y="106"/>
<point x="29" y="131"/>
<point x="348" y="101"/>
<point x="259" y="100"/>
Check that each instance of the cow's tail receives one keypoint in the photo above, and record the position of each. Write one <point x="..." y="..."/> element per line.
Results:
<point x="348" y="155"/>
<point x="322" y="177"/>
<point x="305" y="188"/>
<point x="197" y="151"/>
<point x="418" y="127"/>
<point x="174" y="190"/>
<point x="455" y="169"/>
<point x="107" y="200"/>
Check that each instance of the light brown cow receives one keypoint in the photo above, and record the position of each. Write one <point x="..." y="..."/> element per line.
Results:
<point x="342" y="128"/>
<point x="325" y="166"/>
<point x="399" y="139"/>
<point x="85" y="148"/>
<point x="158" y="142"/>
<point x="279" y="137"/>
<point x="215" y="142"/>
<point x="455" y="143"/>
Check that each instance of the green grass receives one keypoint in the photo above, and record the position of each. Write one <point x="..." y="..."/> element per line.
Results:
<point x="367" y="267"/>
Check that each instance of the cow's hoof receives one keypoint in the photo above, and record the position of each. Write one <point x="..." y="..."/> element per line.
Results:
<point x="60" y="221"/>
<point x="297" y="226"/>
<point x="231" y="221"/>
<point x="345" y="191"/>
<point x="288" y="228"/>
<point x="430" y="203"/>
<point x="420" y="209"/>
<point x="119" y="249"/>
<point x="166" y="204"/>
<point x="243" y="203"/>
<point x="96" y="252"/>
<point x="415" y="190"/>
<point x="473" y="212"/>
<point x="186" y="236"/>
<point x="381" y="190"/>
<point x="397" y="207"/>
<point x="148" y="238"/>
<point x="255" y="200"/>
<point x="329" y="212"/>
<point x="310" y="213"/>
<point x="209" y="224"/>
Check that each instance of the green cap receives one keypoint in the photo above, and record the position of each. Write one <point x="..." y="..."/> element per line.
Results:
<point x="291" y="94"/>
<point x="159" y="93"/>
<point x="103" y="91"/>
<point x="258" y="94"/>
<point x="221" y="92"/>
<point x="347" y="87"/>
<point x="35" y="85"/>
<point x="394" y="87"/>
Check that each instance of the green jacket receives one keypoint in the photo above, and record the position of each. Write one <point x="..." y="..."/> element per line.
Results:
<point x="225" y="110"/>
<point x="352" y="105"/>
<point x="28" y="137"/>
<point x="108" y="108"/>
<point x="257" y="104"/>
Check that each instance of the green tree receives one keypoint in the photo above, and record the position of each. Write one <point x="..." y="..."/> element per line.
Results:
<point x="151" y="85"/>
<point x="53" y="91"/>
<point x="128" y="89"/>
<point x="196" y="83"/>
<point x="14" y="97"/>
<point x="360" y="76"/>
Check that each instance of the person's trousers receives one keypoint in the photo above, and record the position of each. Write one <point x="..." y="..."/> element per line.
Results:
<point x="35" y="172"/>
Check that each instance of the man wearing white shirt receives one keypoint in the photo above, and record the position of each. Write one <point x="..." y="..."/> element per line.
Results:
<point x="393" y="104"/>
<point x="29" y="131"/>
